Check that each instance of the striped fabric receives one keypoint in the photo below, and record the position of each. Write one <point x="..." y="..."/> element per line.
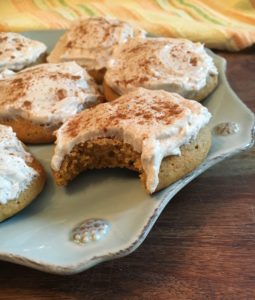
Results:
<point x="221" y="24"/>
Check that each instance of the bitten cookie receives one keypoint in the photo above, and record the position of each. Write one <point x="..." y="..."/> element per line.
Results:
<point x="22" y="177"/>
<point x="161" y="135"/>
<point x="174" y="65"/>
<point x="18" y="52"/>
<point x="90" y="42"/>
<point x="36" y="101"/>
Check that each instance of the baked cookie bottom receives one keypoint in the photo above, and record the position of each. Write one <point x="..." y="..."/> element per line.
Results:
<point x="112" y="153"/>
<point x="211" y="83"/>
<point x="27" y="196"/>
<point x="29" y="132"/>
<point x="57" y="51"/>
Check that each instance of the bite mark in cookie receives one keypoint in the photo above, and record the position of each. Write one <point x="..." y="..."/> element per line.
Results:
<point x="148" y="126"/>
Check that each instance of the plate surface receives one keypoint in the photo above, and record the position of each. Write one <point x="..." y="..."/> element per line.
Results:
<point x="39" y="236"/>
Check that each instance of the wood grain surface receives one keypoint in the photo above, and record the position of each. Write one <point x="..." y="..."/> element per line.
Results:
<point x="201" y="247"/>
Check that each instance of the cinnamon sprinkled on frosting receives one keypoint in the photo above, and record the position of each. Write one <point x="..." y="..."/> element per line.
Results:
<point x="175" y="65"/>
<point x="48" y="93"/>
<point x="90" y="41"/>
<point x="155" y="123"/>
<point x="18" y="51"/>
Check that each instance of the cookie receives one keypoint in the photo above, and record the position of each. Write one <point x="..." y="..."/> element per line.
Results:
<point x="90" y="42"/>
<point x="18" y="52"/>
<point x="174" y="65"/>
<point x="22" y="177"/>
<point x="159" y="134"/>
<point x="36" y="101"/>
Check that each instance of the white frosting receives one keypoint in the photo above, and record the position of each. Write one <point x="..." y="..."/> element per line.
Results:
<point x="6" y="73"/>
<point x="90" y="41"/>
<point x="48" y="93"/>
<point x="175" y="65"/>
<point x="155" y="123"/>
<point x="17" y="51"/>
<point x="15" y="174"/>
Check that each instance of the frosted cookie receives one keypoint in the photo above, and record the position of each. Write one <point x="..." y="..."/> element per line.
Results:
<point x="18" y="52"/>
<point x="161" y="135"/>
<point x="22" y="177"/>
<point x="174" y="65"/>
<point x="90" y="42"/>
<point x="36" y="101"/>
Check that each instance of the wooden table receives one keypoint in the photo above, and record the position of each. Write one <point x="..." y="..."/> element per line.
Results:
<point x="202" y="246"/>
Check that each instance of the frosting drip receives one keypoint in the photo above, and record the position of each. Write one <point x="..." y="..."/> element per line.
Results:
<point x="15" y="174"/>
<point x="48" y="93"/>
<point x="5" y="73"/>
<point x="159" y="63"/>
<point x="17" y="51"/>
<point x="155" y="123"/>
<point x="90" y="42"/>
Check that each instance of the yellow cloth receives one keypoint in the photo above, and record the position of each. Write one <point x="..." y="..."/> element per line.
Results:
<point x="221" y="24"/>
